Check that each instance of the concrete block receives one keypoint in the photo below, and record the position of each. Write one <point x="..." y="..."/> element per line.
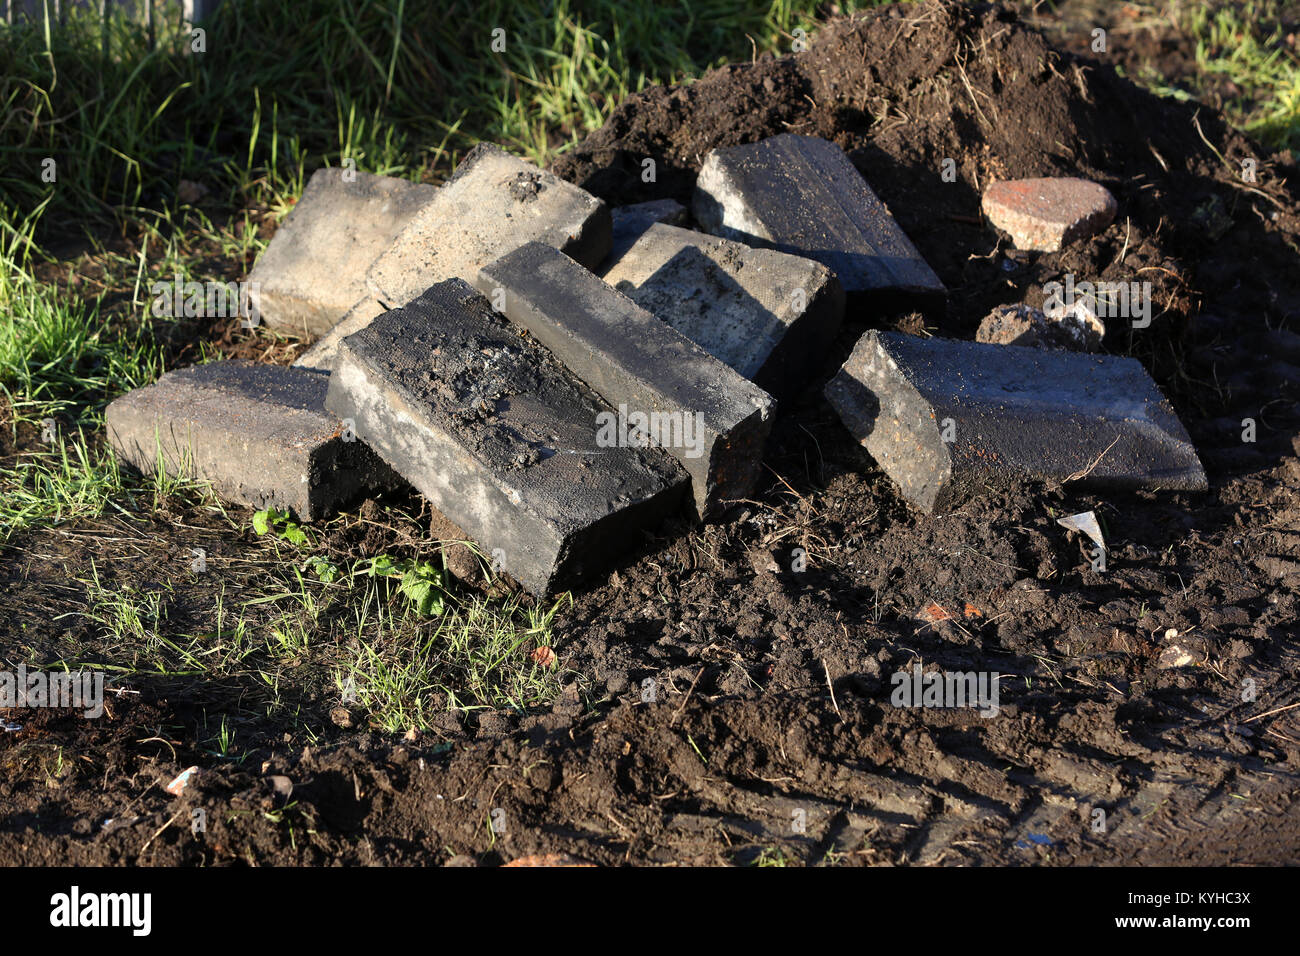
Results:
<point x="711" y="419"/>
<point x="500" y="437"/>
<point x="942" y="416"/>
<point x="801" y="195"/>
<point x="259" y="433"/>
<point x="315" y="266"/>
<point x="768" y="315"/>
<point x="494" y="203"/>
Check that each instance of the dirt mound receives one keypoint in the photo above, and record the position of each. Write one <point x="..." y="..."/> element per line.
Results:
<point x="732" y="708"/>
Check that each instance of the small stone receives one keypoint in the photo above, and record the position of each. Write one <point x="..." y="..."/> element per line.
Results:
<point x="1074" y="328"/>
<point x="1175" y="655"/>
<point x="1044" y="215"/>
<point x="190" y="192"/>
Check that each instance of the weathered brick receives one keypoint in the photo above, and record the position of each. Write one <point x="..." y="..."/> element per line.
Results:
<point x="642" y="365"/>
<point x="768" y="315"/>
<point x="500" y="437"/>
<point x="315" y="266"/>
<point x="1007" y="411"/>
<point x="801" y="195"/>
<point x="495" y="202"/>
<point x="259" y="433"/>
<point x="1045" y="215"/>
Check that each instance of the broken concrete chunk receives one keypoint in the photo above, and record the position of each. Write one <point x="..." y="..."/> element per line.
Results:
<point x="259" y="433"/>
<point x="664" y="386"/>
<point x="500" y="437"/>
<point x="315" y="267"/>
<point x="494" y="203"/>
<point x="1074" y="328"/>
<point x="801" y="195"/>
<point x="322" y="354"/>
<point x="631" y="222"/>
<point x="1045" y="215"/>
<point x="941" y="417"/>
<point x="768" y="315"/>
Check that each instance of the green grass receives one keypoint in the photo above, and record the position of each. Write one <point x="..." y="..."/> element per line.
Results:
<point x="400" y="87"/>
<point x="1246" y="62"/>
<point x="1245" y="44"/>
<point x="266" y="637"/>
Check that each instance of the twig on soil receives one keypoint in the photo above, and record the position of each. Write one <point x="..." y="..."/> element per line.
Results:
<point x="961" y="68"/>
<point x="176" y="816"/>
<point x="1196" y="121"/>
<point x="1095" y="462"/>
<point x="831" y="688"/>
<point x="149" y="740"/>
<point x="783" y="481"/>
<point x="687" y="698"/>
<point x="1269" y="713"/>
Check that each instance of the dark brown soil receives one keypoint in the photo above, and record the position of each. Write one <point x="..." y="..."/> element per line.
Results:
<point x="771" y="730"/>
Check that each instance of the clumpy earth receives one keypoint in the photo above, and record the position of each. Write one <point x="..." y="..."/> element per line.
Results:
<point x="729" y="708"/>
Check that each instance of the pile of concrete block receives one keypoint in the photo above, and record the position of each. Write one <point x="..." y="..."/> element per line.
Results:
<point x="557" y="381"/>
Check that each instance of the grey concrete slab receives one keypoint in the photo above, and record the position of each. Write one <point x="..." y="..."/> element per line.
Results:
<point x="314" y="268"/>
<point x="713" y="420"/>
<point x="494" y="203"/>
<point x="942" y="416"/>
<point x="500" y="437"/>
<point x="768" y="315"/>
<point x="259" y="433"/>
<point x="802" y="195"/>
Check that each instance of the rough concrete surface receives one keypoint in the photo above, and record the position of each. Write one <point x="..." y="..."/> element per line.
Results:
<point x="325" y="350"/>
<point x="801" y="195"/>
<point x="630" y="223"/>
<point x="714" y="421"/>
<point x="259" y="433"/>
<point x="1012" y="411"/>
<point x="495" y="202"/>
<point x="315" y="266"/>
<point x="768" y="315"/>
<point x="500" y="437"/>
